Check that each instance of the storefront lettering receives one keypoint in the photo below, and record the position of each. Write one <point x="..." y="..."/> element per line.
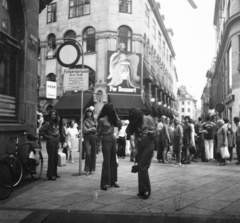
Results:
<point x="4" y="105"/>
<point x="121" y="89"/>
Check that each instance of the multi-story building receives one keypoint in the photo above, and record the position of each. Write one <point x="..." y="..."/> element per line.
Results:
<point x="127" y="50"/>
<point x="187" y="104"/>
<point x="205" y="98"/>
<point x="226" y="78"/>
<point x="18" y="70"/>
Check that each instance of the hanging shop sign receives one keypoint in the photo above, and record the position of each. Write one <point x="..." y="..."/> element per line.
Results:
<point x="76" y="80"/>
<point x="229" y="98"/>
<point x="124" y="73"/>
<point x="220" y="107"/>
<point x="51" y="90"/>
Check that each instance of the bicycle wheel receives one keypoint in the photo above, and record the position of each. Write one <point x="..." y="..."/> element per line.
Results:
<point x="6" y="180"/>
<point x="17" y="168"/>
<point x="36" y="165"/>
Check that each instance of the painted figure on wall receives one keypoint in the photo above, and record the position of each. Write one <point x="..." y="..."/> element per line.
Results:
<point x="124" y="67"/>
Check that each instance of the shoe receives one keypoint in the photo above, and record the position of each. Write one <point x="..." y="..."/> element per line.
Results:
<point x="194" y="160"/>
<point x="223" y="164"/>
<point x="87" y="173"/>
<point x="57" y="176"/>
<point x="115" y="185"/>
<point x="188" y="162"/>
<point x="238" y="163"/>
<point x="140" y="194"/>
<point x="52" y="178"/>
<point x="104" y="188"/>
<point x="146" y="195"/>
<point x="91" y="172"/>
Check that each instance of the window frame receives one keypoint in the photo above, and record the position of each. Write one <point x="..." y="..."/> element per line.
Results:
<point x="50" y="12"/>
<point x="183" y="110"/>
<point x="119" y="36"/>
<point x="84" y="39"/>
<point x="147" y="15"/>
<point x="125" y="3"/>
<point x="159" y="40"/>
<point x="154" y="26"/>
<point x="53" y="45"/>
<point x="78" y="5"/>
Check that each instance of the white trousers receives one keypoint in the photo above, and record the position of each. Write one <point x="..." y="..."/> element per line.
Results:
<point x="208" y="143"/>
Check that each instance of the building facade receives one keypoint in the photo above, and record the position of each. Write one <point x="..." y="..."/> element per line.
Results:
<point x="226" y="79"/>
<point x="127" y="50"/>
<point x="187" y="104"/>
<point x="18" y="69"/>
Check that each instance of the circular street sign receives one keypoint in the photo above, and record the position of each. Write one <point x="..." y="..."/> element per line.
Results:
<point x="68" y="54"/>
<point x="220" y="107"/>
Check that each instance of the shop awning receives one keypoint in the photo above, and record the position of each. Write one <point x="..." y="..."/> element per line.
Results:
<point x="70" y="103"/>
<point x="123" y="103"/>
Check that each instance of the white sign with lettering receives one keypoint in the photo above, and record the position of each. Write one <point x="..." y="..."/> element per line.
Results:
<point x="51" y="90"/>
<point x="76" y="79"/>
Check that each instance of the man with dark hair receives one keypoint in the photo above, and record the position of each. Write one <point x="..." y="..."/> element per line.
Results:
<point x="237" y="123"/>
<point x="208" y="130"/>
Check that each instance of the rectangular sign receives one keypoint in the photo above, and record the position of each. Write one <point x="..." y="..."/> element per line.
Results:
<point x="124" y="73"/>
<point x="51" y="90"/>
<point x="76" y="80"/>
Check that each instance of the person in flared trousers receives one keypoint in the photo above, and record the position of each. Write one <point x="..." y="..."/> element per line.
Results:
<point x="145" y="153"/>
<point x="90" y="159"/>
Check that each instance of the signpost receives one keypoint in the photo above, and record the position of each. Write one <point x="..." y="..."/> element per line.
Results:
<point x="68" y="55"/>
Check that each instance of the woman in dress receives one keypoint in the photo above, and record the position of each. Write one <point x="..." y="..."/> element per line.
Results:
<point x="221" y="140"/>
<point x="177" y="141"/>
<point x="50" y="130"/>
<point x="144" y="129"/>
<point x="107" y="120"/>
<point x="72" y="134"/>
<point x="89" y="130"/>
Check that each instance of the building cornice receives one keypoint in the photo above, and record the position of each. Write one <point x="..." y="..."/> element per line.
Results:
<point x="162" y="26"/>
<point x="229" y="23"/>
<point x="43" y="4"/>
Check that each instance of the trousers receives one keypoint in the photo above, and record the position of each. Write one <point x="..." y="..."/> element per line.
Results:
<point x="109" y="166"/>
<point x="90" y="148"/>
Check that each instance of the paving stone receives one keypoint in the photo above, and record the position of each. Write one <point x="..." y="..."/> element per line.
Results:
<point x="42" y="205"/>
<point x="83" y="206"/>
<point x="119" y="207"/>
<point x="6" y="215"/>
<point x="211" y="204"/>
<point x="111" y="199"/>
<point x="195" y="211"/>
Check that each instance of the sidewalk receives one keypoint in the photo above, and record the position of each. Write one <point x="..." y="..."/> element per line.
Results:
<point x="200" y="192"/>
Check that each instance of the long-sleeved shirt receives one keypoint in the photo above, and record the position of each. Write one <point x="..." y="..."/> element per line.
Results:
<point x="89" y="126"/>
<point x="104" y="127"/>
<point x="148" y="127"/>
<point x="49" y="130"/>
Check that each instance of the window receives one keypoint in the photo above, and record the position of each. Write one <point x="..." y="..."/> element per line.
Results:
<point x="124" y="39"/>
<point x="182" y="102"/>
<point x="163" y="48"/>
<point x="70" y="35"/>
<point x="147" y="15"/>
<point x="154" y="29"/>
<point x="229" y="9"/>
<point x="189" y="110"/>
<point x="188" y="102"/>
<point x="182" y="109"/>
<point x="159" y="40"/>
<point x="51" y="48"/>
<point x="89" y="40"/>
<point x="167" y="54"/>
<point x="229" y="54"/>
<point x="52" y="13"/>
<point x="125" y="6"/>
<point x="51" y="77"/>
<point x="79" y="8"/>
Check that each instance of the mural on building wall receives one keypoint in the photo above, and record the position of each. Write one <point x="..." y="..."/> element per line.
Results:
<point x="124" y="73"/>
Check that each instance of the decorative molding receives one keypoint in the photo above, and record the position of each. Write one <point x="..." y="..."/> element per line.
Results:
<point x="107" y="36"/>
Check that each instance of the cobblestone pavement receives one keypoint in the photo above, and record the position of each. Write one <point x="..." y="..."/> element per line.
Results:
<point x="200" y="191"/>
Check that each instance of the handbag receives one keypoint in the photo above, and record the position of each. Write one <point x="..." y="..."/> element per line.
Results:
<point x="224" y="152"/>
<point x="134" y="168"/>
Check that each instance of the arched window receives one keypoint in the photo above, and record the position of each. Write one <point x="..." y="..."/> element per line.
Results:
<point x="51" y="77"/>
<point x="70" y="35"/>
<point x="89" y="40"/>
<point x="51" y="50"/>
<point x="124" y="39"/>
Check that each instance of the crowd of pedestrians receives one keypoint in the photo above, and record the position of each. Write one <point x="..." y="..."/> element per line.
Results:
<point x="142" y="138"/>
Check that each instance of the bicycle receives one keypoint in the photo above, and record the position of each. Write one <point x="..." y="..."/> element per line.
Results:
<point x="6" y="180"/>
<point x="34" y="164"/>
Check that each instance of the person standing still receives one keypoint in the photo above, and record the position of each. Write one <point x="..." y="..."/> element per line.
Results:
<point x="144" y="129"/>
<point x="166" y="140"/>
<point x="50" y="130"/>
<point x="89" y="130"/>
<point x="121" y="141"/>
<point x="107" y="120"/>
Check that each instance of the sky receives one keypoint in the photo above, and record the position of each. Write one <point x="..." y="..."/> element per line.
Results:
<point x="193" y="41"/>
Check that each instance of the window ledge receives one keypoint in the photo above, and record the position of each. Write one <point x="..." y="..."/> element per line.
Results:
<point x="89" y="53"/>
<point x="12" y="127"/>
<point x="50" y="58"/>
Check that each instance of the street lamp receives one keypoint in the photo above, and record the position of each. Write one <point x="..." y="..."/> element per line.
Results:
<point x="152" y="100"/>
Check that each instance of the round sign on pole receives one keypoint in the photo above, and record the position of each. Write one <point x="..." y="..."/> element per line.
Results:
<point x="220" y="107"/>
<point x="68" y="54"/>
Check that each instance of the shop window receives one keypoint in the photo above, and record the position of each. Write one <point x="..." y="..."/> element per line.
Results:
<point x="125" y="6"/>
<point x="51" y="50"/>
<point x="11" y="57"/>
<point x="147" y="15"/>
<point x="52" y="13"/>
<point x="79" y="8"/>
<point x="124" y="39"/>
<point x="89" y="40"/>
<point x="182" y="109"/>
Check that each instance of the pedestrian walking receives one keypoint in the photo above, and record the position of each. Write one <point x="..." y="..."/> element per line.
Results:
<point x="237" y="123"/>
<point x="50" y="130"/>
<point x="177" y="141"/>
<point x="121" y="141"/>
<point x="89" y="131"/>
<point x="144" y="129"/>
<point x="107" y="120"/>
<point x="187" y="140"/>
<point x="231" y="141"/>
